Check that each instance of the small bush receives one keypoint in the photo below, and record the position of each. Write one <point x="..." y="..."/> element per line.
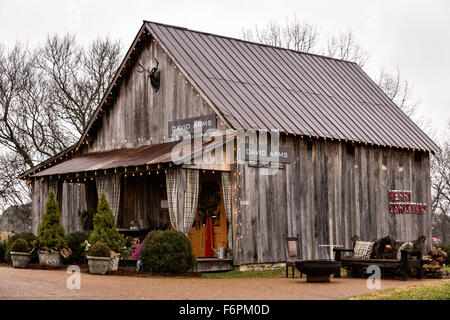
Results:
<point x="100" y="250"/>
<point x="446" y="249"/>
<point x="20" y="245"/>
<point x="2" y="250"/>
<point x="167" y="252"/>
<point x="86" y="219"/>
<point x="27" y="236"/>
<point x="74" y="241"/>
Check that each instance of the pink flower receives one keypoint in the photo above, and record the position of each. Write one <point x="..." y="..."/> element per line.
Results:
<point x="138" y="250"/>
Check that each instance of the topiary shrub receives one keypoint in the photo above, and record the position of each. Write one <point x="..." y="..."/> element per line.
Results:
<point x="20" y="245"/>
<point x="74" y="242"/>
<point x="99" y="250"/>
<point x="105" y="227"/>
<point x="167" y="251"/>
<point x="51" y="234"/>
<point x="29" y="237"/>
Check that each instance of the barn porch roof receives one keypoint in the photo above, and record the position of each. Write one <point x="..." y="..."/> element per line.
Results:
<point x="131" y="157"/>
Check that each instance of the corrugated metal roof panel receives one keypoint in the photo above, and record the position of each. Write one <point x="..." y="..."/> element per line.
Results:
<point x="263" y="87"/>
<point x="120" y="158"/>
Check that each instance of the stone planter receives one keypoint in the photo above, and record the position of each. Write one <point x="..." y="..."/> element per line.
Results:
<point x="98" y="265"/>
<point x="52" y="259"/>
<point x="20" y="259"/>
<point x="114" y="263"/>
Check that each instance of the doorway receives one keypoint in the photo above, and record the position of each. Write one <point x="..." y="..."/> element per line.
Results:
<point x="210" y="186"/>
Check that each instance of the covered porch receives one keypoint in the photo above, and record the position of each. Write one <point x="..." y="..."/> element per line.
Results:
<point x="147" y="191"/>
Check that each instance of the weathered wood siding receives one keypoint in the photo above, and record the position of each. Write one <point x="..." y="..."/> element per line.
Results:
<point x="139" y="115"/>
<point x="329" y="192"/>
<point x="70" y="201"/>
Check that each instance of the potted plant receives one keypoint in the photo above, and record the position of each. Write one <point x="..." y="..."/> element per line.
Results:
<point x="99" y="258"/>
<point x="51" y="242"/>
<point x="20" y="253"/>
<point x="105" y="231"/>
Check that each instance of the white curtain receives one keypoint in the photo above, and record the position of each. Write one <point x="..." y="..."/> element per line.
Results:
<point x="110" y="184"/>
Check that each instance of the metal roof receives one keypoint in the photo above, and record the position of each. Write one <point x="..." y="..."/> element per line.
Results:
<point x="257" y="86"/>
<point x="121" y="158"/>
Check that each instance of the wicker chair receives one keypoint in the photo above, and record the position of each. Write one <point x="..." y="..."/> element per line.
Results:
<point x="292" y="252"/>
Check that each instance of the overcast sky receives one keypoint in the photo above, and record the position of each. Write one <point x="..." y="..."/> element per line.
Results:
<point x="411" y="35"/>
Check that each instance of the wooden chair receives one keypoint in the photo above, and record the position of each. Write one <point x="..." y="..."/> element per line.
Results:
<point x="293" y="253"/>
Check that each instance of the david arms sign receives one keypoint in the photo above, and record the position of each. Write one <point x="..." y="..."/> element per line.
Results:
<point x="263" y="155"/>
<point x="192" y="125"/>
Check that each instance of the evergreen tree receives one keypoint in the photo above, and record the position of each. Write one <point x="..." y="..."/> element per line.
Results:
<point x="105" y="226"/>
<point x="51" y="233"/>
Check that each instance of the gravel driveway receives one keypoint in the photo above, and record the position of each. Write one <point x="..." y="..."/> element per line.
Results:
<point x="50" y="284"/>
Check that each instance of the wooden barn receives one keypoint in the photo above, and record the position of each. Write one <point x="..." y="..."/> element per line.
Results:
<point x="348" y="160"/>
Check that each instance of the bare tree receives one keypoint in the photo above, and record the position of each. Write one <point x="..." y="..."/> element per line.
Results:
<point x="440" y="192"/>
<point x="398" y="90"/>
<point x="343" y="45"/>
<point x="77" y="77"/>
<point x="16" y="218"/>
<point x="47" y="96"/>
<point x="295" y="34"/>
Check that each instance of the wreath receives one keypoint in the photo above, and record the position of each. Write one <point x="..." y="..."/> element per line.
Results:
<point x="209" y="200"/>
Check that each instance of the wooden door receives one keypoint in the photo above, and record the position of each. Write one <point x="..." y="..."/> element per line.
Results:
<point x="197" y="234"/>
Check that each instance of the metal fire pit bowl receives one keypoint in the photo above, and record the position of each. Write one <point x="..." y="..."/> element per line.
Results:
<point x="318" y="270"/>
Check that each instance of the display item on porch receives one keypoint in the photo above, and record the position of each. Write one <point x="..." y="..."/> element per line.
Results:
<point x="105" y="230"/>
<point x="221" y="251"/>
<point x="134" y="225"/>
<point x="20" y="253"/>
<point x="99" y="258"/>
<point x="51" y="242"/>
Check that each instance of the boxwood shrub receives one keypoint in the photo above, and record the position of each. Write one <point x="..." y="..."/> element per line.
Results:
<point x="29" y="238"/>
<point x="167" y="251"/>
<point x="2" y="250"/>
<point x="20" y="245"/>
<point x="100" y="250"/>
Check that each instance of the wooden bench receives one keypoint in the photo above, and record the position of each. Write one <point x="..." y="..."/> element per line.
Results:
<point x="409" y="258"/>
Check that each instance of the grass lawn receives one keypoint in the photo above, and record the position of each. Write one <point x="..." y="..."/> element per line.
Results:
<point x="431" y="291"/>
